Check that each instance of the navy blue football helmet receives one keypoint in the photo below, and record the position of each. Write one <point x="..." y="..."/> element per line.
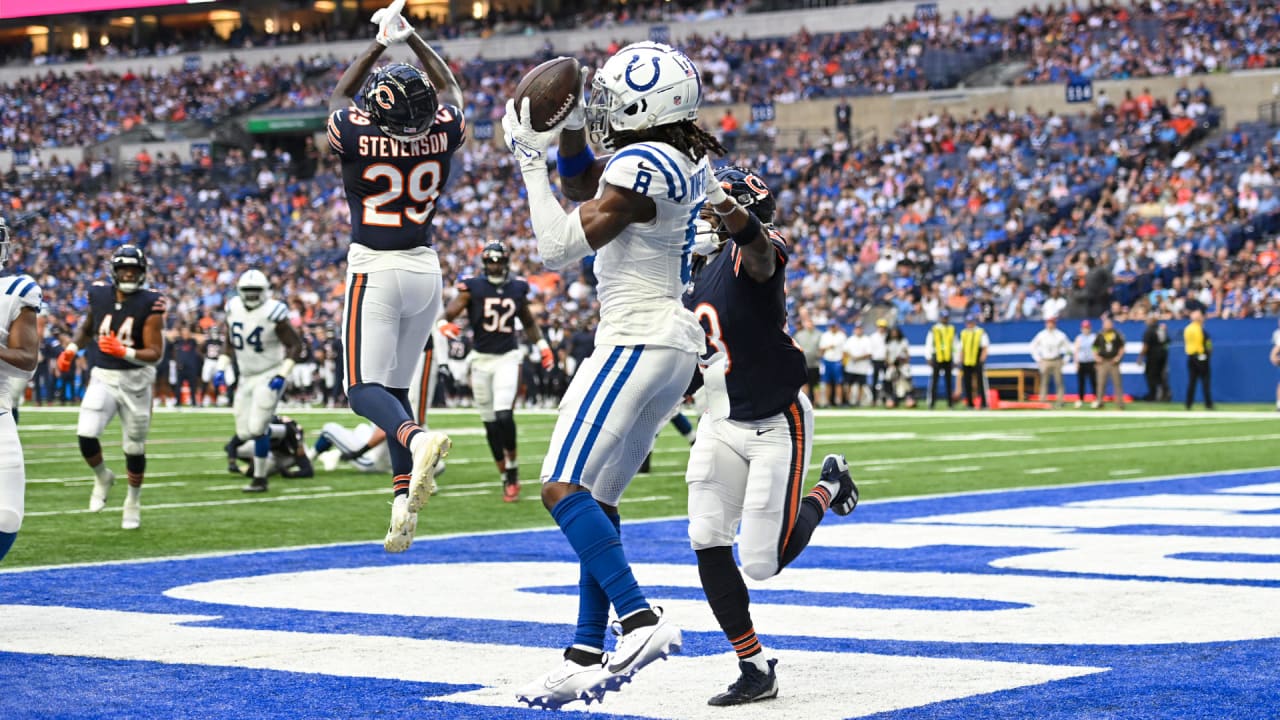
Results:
<point x="497" y="262"/>
<point x="401" y="101"/>
<point x="128" y="257"/>
<point x="749" y="190"/>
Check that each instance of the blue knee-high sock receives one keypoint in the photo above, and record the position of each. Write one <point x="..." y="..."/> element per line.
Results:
<point x="262" y="446"/>
<point x="593" y="603"/>
<point x="323" y="443"/>
<point x="599" y="547"/>
<point x="6" y="542"/>
<point x="385" y="408"/>
<point x="379" y="405"/>
<point x="401" y="458"/>
<point x="682" y="424"/>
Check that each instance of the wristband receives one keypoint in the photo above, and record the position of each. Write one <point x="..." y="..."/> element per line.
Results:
<point x="286" y="367"/>
<point x="750" y="233"/>
<point x="72" y="348"/>
<point x="130" y="353"/>
<point x="575" y="165"/>
<point x="542" y="344"/>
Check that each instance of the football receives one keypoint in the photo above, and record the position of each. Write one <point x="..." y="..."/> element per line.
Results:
<point x="553" y="89"/>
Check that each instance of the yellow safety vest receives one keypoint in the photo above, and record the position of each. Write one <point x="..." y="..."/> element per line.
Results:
<point x="944" y="341"/>
<point x="971" y="345"/>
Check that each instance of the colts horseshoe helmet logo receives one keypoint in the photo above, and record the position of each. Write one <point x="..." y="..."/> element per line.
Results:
<point x="633" y="65"/>
<point x="383" y="96"/>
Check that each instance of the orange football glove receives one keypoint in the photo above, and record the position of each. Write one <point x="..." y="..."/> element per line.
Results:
<point x="111" y="345"/>
<point x="65" y="359"/>
<point x="548" y="358"/>
<point x="450" y="330"/>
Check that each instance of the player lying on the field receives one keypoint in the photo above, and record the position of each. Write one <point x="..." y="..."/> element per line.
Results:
<point x="750" y="459"/>
<point x="288" y="457"/>
<point x="364" y="447"/>
<point x="396" y="152"/>
<point x="125" y="322"/>
<point x="493" y="302"/>
<point x="636" y="215"/>
<point x="19" y="354"/>
<point x="264" y="347"/>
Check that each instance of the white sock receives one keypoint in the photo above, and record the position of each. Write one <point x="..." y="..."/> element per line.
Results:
<point x="259" y="468"/>
<point x="135" y="496"/>
<point x="417" y="441"/>
<point x="100" y="470"/>
<point x="758" y="660"/>
<point x="512" y="464"/>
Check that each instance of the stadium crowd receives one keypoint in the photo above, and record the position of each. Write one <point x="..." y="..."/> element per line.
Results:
<point x="910" y="53"/>
<point x="1015" y="215"/>
<point x="60" y="109"/>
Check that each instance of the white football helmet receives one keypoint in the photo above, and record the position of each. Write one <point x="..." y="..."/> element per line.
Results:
<point x="646" y="84"/>
<point x="254" y="288"/>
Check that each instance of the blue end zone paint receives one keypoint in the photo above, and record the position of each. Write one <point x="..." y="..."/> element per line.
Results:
<point x="1212" y="680"/>
<point x="1227" y="557"/>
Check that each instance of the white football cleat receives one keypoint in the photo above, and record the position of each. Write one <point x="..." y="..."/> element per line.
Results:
<point x="403" y="525"/>
<point x="422" y="481"/>
<point x="132" y="517"/>
<point x="637" y="649"/>
<point x="101" y="488"/>
<point x="564" y="684"/>
<point x="329" y="459"/>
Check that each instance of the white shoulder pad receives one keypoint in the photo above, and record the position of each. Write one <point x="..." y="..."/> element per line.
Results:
<point x="24" y="288"/>
<point x="279" y="311"/>
<point x="650" y="169"/>
<point x="235" y="306"/>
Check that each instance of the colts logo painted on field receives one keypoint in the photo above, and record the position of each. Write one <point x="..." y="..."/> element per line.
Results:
<point x="635" y="64"/>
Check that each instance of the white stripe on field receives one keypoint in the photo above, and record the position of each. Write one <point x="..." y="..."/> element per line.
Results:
<point x="962" y="469"/>
<point x="87" y="478"/>
<point x="216" y="503"/>
<point x="1041" y="471"/>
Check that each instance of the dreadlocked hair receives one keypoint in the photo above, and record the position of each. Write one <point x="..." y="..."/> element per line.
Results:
<point x="684" y="136"/>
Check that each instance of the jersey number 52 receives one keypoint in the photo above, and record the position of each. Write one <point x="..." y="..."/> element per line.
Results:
<point x="498" y="313"/>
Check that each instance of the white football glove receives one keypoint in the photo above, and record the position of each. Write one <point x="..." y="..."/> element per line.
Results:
<point x="392" y="27"/>
<point x="715" y="191"/>
<point x="578" y="116"/>
<point x="528" y="145"/>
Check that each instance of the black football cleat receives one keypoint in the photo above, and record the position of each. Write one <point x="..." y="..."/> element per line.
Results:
<point x="257" y="486"/>
<point x="836" y="469"/>
<point x="751" y="686"/>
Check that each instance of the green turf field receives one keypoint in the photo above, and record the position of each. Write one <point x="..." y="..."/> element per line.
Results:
<point x="191" y="504"/>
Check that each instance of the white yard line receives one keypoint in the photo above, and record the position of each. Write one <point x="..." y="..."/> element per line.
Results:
<point x="1062" y="450"/>
<point x="216" y="503"/>
<point x="87" y="477"/>
<point x="1041" y="471"/>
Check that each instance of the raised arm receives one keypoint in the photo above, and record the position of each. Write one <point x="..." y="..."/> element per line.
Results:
<point x="759" y="257"/>
<point x="447" y="88"/>
<point x="344" y="95"/>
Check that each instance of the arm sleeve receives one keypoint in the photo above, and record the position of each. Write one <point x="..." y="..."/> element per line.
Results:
<point x="561" y="239"/>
